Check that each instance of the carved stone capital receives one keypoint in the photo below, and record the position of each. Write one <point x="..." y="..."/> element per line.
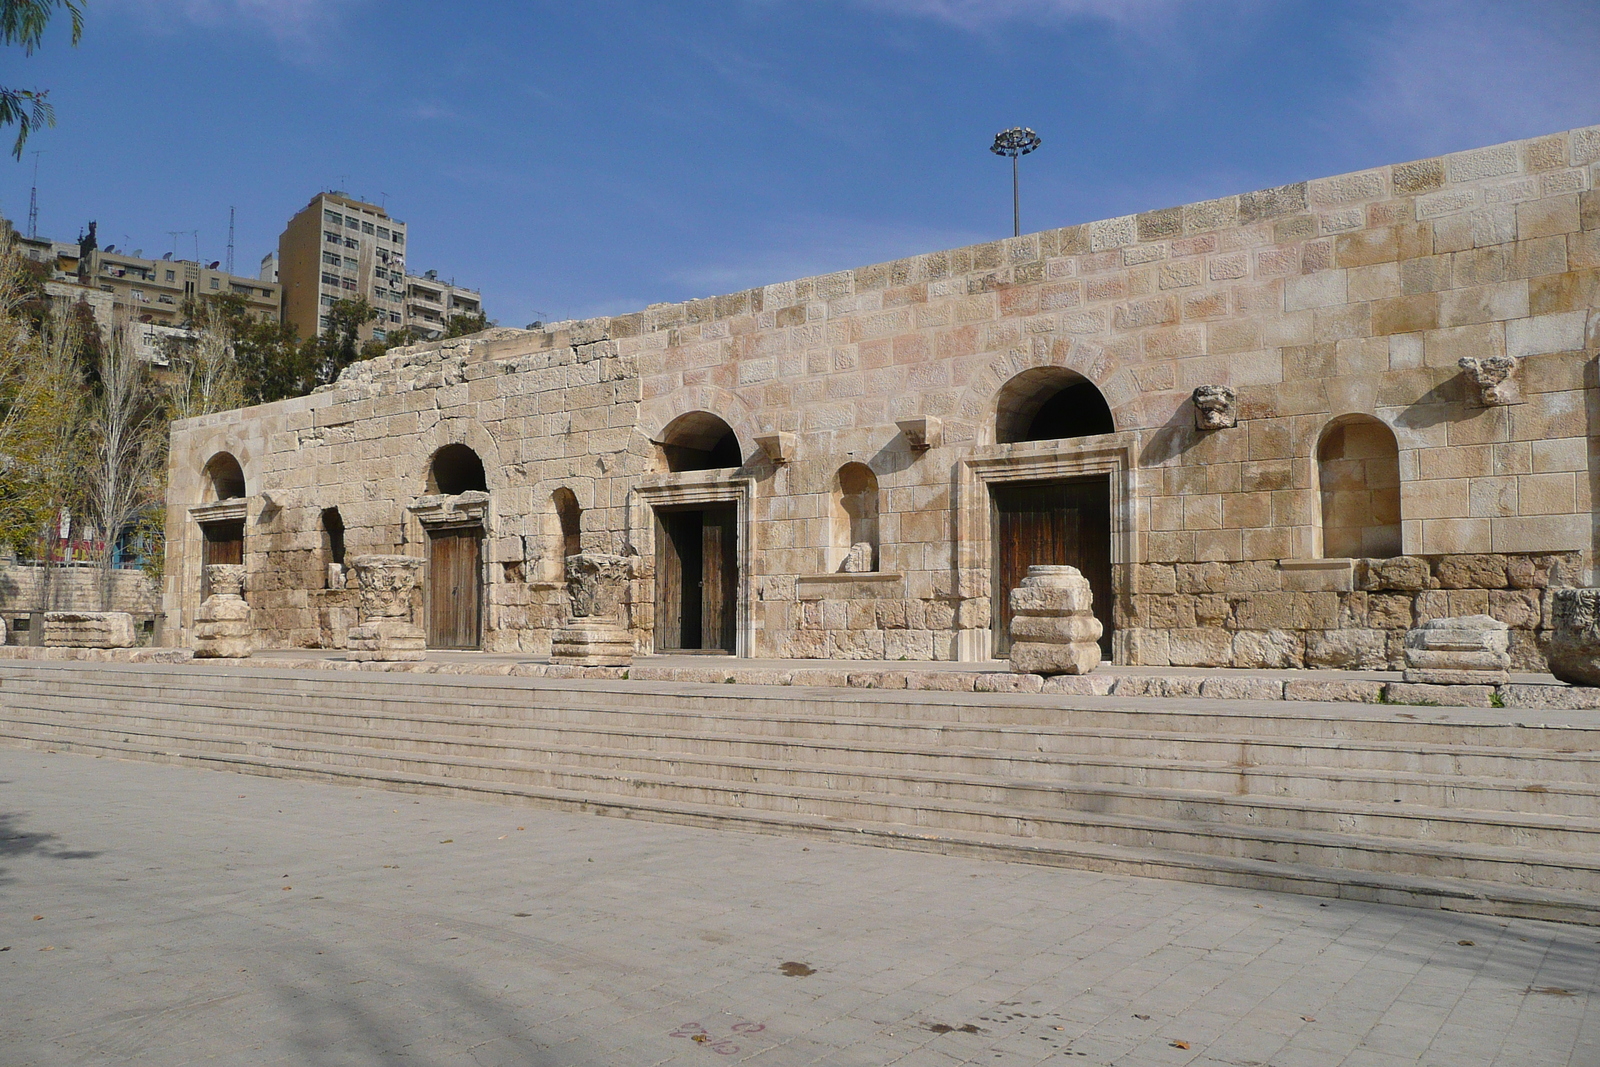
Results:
<point x="1495" y="379"/>
<point x="595" y="581"/>
<point x="1215" y="407"/>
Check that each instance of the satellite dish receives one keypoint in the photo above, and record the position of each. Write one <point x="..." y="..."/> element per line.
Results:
<point x="214" y="264"/>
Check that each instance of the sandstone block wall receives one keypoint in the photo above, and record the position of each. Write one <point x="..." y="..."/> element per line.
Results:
<point x="1339" y="302"/>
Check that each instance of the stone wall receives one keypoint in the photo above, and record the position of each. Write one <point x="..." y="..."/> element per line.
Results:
<point x="1320" y="304"/>
<point x="27" y="590"/>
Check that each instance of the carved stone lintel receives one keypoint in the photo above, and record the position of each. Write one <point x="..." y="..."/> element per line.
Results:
<point x="595" y="581"/>
<point x="1215" y="407"/>
<point x="1495" y="378"/>
<point x="923" y="432"/>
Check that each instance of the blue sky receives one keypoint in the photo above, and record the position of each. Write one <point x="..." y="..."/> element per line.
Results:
<point x="591" y="157"/>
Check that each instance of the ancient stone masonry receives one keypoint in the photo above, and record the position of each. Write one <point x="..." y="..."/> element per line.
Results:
<point x="1053" y="628"/>
<point x="1281" y="428"/>
<point x="222" y="625"/>
<point x="1575" y="636"/>
<point x="1471" y="650"/>
<point x="386" y="631"/>
<point x="88" y="629"/>
<point x="595" y="634"/>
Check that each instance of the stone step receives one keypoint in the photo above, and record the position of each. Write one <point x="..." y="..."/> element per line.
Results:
<point x="1383" y="885"/>
<point x="970" y="779"/>
<point x="1459" y="761"/>
<point x="1350" y="850"/>
<point x="1185" y="716"/>
<point x="1512" y="794"/>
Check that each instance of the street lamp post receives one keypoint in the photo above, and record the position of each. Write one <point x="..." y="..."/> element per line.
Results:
<point x="1015" y="142"/>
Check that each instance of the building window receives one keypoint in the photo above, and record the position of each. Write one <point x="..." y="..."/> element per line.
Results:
<point x="399" y="237"/>
<point x="327" y="301"/>
<point x="330" y="279"/>
<point x="352" y="222"/>
<point x="137" y="294"/>
<point x="348" y="283"/>
<point x="324" y="322"/>
<point x="216" y="283"/>
<point x="383" y="233"/>
<point x="172" y="276"/>
<point x="351" y="242"/>
<point x="349" y="263"/>
<point x="331" y="258"/>
<point x="394" y="317"/>
<point x="379" y="335"/>
<point x="331" y="238"/>
<point x="366" y="227"/>
<point x="333" y="217"/>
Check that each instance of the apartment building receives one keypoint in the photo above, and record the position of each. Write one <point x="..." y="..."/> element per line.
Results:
<point x="338" y="248"/>
<point x="430" y="304"/>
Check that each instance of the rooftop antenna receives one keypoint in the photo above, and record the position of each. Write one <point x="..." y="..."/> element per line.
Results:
<point x="229" y="267"/>
<point x="33" y="198"/>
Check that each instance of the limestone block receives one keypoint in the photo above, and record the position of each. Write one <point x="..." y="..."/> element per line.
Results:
<point x="1348" y="649"/>
<point x="595" y="584"/>
<point x="386" y="641"/>
<point x="1574" y="645"/>
<point x="1083" y="685"/>
<point x="1060" y="595"/>
<point x="1462" y="695"/>
<point x="1404" y="573"/>
<point x="1235" y="688"/>
<point x="1268" y="649"/>
<point x="1469" y="650"/>
<point x="1157" y="685"/>
<point x="1361" y="692"/>
<point x="1551" y="697"/>
<point x="386" y="584"/>
<point x="88" y="629"/>
<point x="591" y="643"/>
<point x="859" y="559"/>
<point x="1472" y="572"/>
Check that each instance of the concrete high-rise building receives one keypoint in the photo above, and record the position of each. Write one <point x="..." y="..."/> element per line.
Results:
<point x="431" y="304"/>
<point x="338" y="248"/>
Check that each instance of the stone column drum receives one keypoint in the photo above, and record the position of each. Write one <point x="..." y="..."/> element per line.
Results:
<point x="1574" y="648"/>
<point x="386" y="631"/>
<point x="593" y="635"/>
<point x="1467" y="650"/>
<point x="222" y="625"/>
<point x="1053" y="628"/>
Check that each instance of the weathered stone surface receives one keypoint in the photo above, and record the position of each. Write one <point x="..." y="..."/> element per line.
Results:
<point x="1366" y="650"/>
<point x="386" y="640"/>
<point x="1083" y="685"/>
<point x="1574" y="644"/>
<point x="595" y="584"/>
<point x="1406" y="573"/>
<point x="222" y="625"/>
<point x="1553" y="697"/>
<point x="1357" y="692"/>
<point x="386" y="583"/>
<point x="1234" y="688"/>
<point x="1268" y="649"/>
<point x="1157" y="685"/>
<point x="859" y="559"/>
<point x="1053" y="628"/>
<point x="1457" y="695"/>
<point x="1493" y="379"/>
<point x="88" y="629"/>
<point x="587" y="642"/>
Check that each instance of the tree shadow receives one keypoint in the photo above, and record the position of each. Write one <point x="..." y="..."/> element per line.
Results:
<point x="16" y="843"/>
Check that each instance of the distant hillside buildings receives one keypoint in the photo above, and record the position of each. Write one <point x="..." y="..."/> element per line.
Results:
<point x="335" y="248"/>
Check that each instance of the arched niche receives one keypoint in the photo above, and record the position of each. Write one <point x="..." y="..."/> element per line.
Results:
<point x="855" y="517"/>
<point x="1358" y="482"/>
<point x="700" y="441"/>
<point x="1049" y="404"/>
<point x="569" y="522"/>
<point x="456" y="469"/>
<point x="224" y="479"/>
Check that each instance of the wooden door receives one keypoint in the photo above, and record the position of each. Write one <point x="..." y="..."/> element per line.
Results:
<point x="223" y="543"/>
<point x="454" y="593"/>
<point x="1062" y="523"/>
<point x="697" y="575"/>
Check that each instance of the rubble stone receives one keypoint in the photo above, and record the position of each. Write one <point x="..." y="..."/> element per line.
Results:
<point x="1468" y="650"/>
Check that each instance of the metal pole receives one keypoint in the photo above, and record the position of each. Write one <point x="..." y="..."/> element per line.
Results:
<point x="1016" y="202"/>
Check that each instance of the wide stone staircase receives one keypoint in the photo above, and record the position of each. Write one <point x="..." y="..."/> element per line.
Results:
<point x="1483" y="811"/>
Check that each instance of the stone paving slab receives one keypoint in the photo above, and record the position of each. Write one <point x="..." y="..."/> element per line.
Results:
<point x="188" y="916"/>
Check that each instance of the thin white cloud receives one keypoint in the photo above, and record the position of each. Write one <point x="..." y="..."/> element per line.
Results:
<point x="1453" y="74"/>
<point x="287" y="21"/>
<point x="978" y="14"/>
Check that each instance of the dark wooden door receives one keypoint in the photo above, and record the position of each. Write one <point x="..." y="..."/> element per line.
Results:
<point x="697" y="574"/>
<point x="223" y="543"/>
<point x="1065" y="523"/>
<point x="454" y="592"/>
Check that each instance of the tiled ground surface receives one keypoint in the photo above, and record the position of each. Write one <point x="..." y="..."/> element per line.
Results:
<point x="188" y="916"/>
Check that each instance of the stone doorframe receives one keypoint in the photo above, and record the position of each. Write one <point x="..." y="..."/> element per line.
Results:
<point x="690" y="488"/>
<point x="1032" y="461"/>
<point x="191" y="576"/>
<point x="472" y="509"/>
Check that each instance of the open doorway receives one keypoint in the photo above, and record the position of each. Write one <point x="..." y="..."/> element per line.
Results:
<point x="697" y="569"/>
<point x="1060" y="523"/>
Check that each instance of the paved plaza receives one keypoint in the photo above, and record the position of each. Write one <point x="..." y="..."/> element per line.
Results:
<point x="161" y="915"/>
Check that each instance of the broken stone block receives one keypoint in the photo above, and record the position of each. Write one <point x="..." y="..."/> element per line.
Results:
<point x="1574" y="645"/>
<point x="1466" y="650"/>
<point x="88" y="629"/>
<point x="386" y="632"/>
<point x="593" y="635"/>
<point x="1495" y="378"/>
<point x="1053" y="628"/>
<point x="222" y="625"/>
<point x="577" y="645"/>
<point x="1214" y="407"/>
<point x="859" y="559"/>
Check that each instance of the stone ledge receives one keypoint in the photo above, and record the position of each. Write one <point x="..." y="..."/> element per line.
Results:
<point x="865" y="585"/>
<point x="99" y="655"/>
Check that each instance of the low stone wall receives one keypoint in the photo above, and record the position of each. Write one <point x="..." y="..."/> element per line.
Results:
<point x="1331" y="614"/>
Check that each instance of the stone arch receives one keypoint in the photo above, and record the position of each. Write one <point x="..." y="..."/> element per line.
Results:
<point x="457" y="432"/>
<point x="854" y="518"/>
<point x="456" y="469"/>
<point x="1358" y="489"/>
<point x="222" y="478"/>
<point x="656" y="415"/>
<point x="979" y="403"/>
<point x="700" y="441"/>
<point x="1049" y="404"/>
<point x="569" y="521"/>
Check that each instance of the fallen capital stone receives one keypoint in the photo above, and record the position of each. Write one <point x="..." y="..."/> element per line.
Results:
<point x="1465" y="650"/>
<point x="1574" y="645"/>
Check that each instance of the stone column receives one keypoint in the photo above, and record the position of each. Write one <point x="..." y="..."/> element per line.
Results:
<point x="1053" y="628"/>
<point x="593" y="635"/>
<point x="1574" y="648"/>
<point x="386" y="631"/>
<point x="1468" y="650"/>
<point x="222" y="625"/>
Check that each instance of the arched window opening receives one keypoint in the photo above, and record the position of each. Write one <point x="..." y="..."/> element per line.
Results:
<point x="456" y="469"/>
<point x="1048" y="404"/>
<point x="1358" y="476"/>
<point x="855" y="518"/>
<point x="700" y="441"/>
<point x="570" y="516"/>
<point x="224" y="478"/>
<point x="332" y="542"/>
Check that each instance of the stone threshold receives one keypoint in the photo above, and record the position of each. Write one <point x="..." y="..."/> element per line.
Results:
<point x="1358" y="687"/>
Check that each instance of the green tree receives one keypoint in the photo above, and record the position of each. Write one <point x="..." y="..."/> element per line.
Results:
<point x="461" y="325"/>
<point x="23" y="22"/>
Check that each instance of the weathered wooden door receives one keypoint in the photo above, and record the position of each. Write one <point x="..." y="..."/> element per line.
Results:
<point x="697" y="569"/>
<point x="223" y="543"/>
<point x="1065" y="523"/>
<point x="454" y="592"/>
